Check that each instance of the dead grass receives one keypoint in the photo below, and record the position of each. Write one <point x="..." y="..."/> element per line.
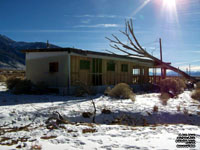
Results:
<point x="164" y="97"/>
<point x="185" y="111"/>
<point x="36" y="147"/>
<point x="178" y="108"/>
<point x="48" y="137"/>
<point x="105" y="111"/>
<point x="70" y="131"/>
<point x="87" y="114"/>
<point x="155" y="108"/>
<point x="121" y="90"/>
<point x="90" y="130"/>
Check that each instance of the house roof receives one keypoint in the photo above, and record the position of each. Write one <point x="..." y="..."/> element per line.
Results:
<point x="86" y="52"/>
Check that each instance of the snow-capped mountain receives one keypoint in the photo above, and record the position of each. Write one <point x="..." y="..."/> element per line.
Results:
<point x="11" y="56"/>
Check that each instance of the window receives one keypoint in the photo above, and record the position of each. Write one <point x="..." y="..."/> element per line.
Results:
<point x="136" y="71"/>
<point x="124" y="68"/>
<point x="53" y="67"/>
<point x="85" y="64"/>
<point x="110" y="66"/>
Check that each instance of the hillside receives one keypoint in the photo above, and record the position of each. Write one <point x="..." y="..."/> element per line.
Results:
<point x="10" y="52"/>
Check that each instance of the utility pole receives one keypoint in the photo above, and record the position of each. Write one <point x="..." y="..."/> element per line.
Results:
<point x="163" y="70"/>
<point x="160" y="49"/>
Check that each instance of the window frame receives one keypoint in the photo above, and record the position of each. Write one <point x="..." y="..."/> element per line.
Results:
<point x="84" y="65"/>
<point x="110" y="66"/>
<point x="53" y="67"/>
<point x="124" y="67"/>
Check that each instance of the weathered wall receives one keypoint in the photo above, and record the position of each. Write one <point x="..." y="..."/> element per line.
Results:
<point x="37" y="68"/>
<point x="108" y="77"/>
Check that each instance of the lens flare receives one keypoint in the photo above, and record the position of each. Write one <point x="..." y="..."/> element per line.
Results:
<point x="169" y="7"/>
<point x="170" y="4"/>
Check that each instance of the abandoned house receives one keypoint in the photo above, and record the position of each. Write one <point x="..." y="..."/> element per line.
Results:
<point x="63" y="67"/>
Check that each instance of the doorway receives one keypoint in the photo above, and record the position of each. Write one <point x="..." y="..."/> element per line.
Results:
<point x="96" y="71"/>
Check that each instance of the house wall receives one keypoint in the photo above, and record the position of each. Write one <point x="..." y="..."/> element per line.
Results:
<point x="37" y="68"/>
<point x="108" y="77"/>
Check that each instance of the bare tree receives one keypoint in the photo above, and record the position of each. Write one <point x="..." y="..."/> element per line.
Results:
<point x="135" y="49"/>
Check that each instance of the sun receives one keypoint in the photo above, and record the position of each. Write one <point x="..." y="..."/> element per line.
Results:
<point x="169" y="4"/>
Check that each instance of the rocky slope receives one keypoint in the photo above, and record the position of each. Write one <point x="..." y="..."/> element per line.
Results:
<point x="11" y="56"/>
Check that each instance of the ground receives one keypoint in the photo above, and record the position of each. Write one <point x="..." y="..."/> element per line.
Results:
<point x="128" y="125"/>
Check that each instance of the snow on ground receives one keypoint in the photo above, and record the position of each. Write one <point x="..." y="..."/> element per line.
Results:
<point x="140" y="127"/>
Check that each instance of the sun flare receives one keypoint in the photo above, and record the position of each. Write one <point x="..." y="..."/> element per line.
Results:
<point x="170" y="4"/>
<point x="169" y="8"/>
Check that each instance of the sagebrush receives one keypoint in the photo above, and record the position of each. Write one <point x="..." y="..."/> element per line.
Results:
<point x="172" y="86"/>
<point x="196" y="94"/>
<point x="121" y="90"/>
<point x="3" y="78"/>
<point x="19" y="86"/>
<point x="198" y="85"/>
<point x="11" y="82"/>
<point x="83" y="89"/>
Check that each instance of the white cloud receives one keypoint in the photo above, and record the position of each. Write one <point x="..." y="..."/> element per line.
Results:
<point x="100" y="16"/>
<point x="98" y="26"/>
<point x="85" y="21"/>
<point x="195" y="51"/>
<point x="193" y="68"/>
<point x="54" y="31"/>
<point x="188" y="62"/>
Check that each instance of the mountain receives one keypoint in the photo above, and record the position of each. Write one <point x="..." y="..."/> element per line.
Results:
<point x="11" y="56"/>
<point x="172" y="73"/>
<point x="192" y="73"/>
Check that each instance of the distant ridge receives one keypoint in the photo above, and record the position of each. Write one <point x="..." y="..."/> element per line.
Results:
<point x="11" y="56"/>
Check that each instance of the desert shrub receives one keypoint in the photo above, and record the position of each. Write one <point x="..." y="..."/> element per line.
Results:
<point x="171" y="86"/>
<point x="41" y="88"/>
<point x="22" y="87"/>
<point x="198" y="85"/>
<point x="83" y="89"/>
<point x="2" y="78"/>
<point x="87" y="114"/>
<point x="181" y="84"/>
<point x="11" y="82"/>
<point x="108" y="89"/>
<point x="122" y="90"/>
<point x="105" y="111"/>
<point x="196" y="94"/>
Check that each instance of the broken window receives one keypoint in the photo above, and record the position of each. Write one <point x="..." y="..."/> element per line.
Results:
<point x="85" y="64"/>
<point x="124" y="68"/>
<point x="136" y="71"/>
<point x="110" y="66"/>
<point x="53" y="67"/>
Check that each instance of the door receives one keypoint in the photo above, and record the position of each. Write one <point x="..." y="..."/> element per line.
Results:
<point x="96" y="71"/>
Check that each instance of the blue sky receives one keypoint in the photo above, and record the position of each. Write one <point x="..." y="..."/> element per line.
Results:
<point x="84" y="24"/>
